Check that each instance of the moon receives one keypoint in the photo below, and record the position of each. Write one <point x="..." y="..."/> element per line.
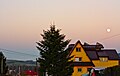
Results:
<point x="108" y="30"/>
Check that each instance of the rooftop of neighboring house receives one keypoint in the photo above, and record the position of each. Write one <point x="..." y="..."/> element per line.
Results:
<point x="96" y="51"/>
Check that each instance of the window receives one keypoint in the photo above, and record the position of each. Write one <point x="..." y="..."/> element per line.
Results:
<point x="103" y="59"/>
<point x="79" y="69"/>
<point x="78" y="49"/>
<point x="78" y="59"/>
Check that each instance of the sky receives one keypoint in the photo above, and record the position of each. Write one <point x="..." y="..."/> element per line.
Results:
<point x="22" y="22"/>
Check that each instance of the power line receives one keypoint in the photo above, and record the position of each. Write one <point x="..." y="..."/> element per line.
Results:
<point x="17" y="52"/>
<point x="103" y="39"/>
<point x="110" y="37"/>
<point x="37" y="56"/>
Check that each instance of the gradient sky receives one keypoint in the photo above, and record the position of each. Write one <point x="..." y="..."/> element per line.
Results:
<point x="22" y="22"/>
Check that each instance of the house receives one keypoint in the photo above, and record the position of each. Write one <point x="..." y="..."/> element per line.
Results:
<point x="86" y="56"/>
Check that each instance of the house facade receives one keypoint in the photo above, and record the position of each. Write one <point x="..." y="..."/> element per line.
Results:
<point x="88" y="56"/>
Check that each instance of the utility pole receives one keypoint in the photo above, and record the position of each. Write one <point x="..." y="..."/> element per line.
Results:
<point x="2" y="57"/>
<point x="37" y="67"/>
<point x="19" y="74"/>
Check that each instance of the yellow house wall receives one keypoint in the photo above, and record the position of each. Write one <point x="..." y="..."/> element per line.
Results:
<point x="109" y="63"/>
<point x="80" y="54"/>
<point x="84" y="70"/>
<point x="84" y="57"/>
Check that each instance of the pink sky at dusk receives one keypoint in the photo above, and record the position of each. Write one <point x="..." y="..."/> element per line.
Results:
<point x="22" y="22"/>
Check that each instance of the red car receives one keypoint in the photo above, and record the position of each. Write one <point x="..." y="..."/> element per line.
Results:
<point x="30" y="73"/>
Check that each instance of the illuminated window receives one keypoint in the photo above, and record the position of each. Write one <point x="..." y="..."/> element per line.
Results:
<point x="78" y="49"/>
<point x="78" y="59"/>
<point x="103" y="59"/>
<point x="79" y="69"/>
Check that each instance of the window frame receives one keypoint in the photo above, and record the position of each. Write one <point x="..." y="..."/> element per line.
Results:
<point x="103" y="59"/>
<point x="78" y="49"/>
<point x="78" y="60"/>
<point x="79" y="69"/>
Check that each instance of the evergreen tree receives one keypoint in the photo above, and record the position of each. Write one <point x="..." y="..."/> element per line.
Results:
<point x="54" y="58"/>
<point x="112" y="71"/>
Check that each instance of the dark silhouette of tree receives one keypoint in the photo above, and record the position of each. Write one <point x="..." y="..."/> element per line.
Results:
<point x="112" y="71"/>
<point x="3" y="66"/>
<point x="54" y="58"/>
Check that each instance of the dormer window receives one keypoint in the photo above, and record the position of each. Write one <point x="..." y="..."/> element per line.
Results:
<point x="78" y="59"/>
<point x="103" y="59"/>
<point x="78" y="49"/>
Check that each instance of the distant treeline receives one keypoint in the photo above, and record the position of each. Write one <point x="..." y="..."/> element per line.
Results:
<point x="18" y="62"/>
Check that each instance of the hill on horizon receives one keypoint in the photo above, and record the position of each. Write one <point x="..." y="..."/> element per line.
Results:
<point x="20" y="62"/>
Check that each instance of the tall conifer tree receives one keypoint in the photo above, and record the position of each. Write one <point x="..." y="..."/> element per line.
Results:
<point x="54" y="58"/>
